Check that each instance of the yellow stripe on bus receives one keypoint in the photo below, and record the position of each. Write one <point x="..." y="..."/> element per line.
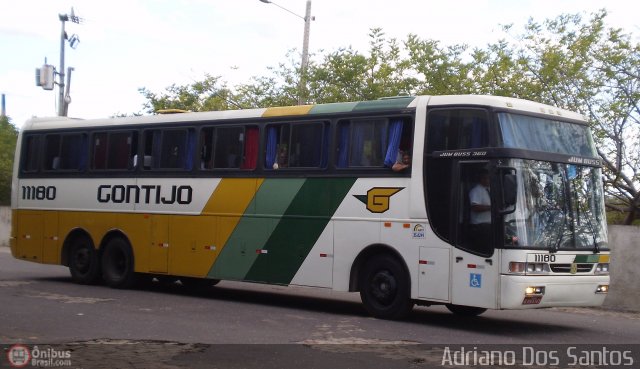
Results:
<point x="229" y="202"/>
<point x="287" y="110"/>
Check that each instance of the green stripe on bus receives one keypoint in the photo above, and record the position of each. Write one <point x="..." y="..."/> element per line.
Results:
<point x="384" y="104"/>
<point x="333" y="108"/>
<point x="586" y="259"/>
<point x="299" y="229"/>
<point x="254" y="229"/>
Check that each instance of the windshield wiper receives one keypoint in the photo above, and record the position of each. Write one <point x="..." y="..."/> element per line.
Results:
<point x="596" y="247"/>
<point x="554" y="246"/>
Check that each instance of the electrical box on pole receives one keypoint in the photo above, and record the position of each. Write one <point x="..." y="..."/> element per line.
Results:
<point x="45" y="77"/>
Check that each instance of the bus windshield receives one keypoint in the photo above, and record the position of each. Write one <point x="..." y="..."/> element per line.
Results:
<point x="559" y="206"/>
<point x="539" y="134"/>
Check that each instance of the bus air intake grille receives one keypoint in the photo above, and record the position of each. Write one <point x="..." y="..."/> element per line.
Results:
<point x="566" y="268"/>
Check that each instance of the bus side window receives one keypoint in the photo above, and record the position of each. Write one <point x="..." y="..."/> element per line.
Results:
<point x="114" y="150"/>
<point x="65" y="152"/>
<point x="372" y="142"/>
<point x="31" y="153"/>
<point x="228" y="148"/>
<point x="166" y="149"/>
<point x="306" y="149"/>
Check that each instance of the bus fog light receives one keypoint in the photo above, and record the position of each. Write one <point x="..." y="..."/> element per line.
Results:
<point x="537" y="268"/>
<point x="534" y="291"/>
<point x="603" y="288"/>
<point x="602" y="268"/>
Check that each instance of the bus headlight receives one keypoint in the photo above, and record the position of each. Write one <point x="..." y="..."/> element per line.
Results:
<point x="602" y="268"/>
<point x="534" y="291"/>
<point x="603" y="288"/>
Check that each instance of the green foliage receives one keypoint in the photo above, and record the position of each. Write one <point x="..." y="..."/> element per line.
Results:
<point x="8" y="136"/>
<point x="208" y="94"/>
<point x="570" y="62"/>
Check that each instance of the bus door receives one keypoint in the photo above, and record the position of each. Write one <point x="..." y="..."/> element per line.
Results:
<point x="474" y="271"/>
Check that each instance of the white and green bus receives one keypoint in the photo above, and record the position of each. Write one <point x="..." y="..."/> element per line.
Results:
<point x="306" y="195"/>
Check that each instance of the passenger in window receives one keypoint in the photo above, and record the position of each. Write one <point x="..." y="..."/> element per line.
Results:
<point x="480" y="215"/>
<point x="403" y="161"/>
<point x="281" y="161"/>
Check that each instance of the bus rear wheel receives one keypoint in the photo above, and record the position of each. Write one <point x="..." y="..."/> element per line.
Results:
<point x="84" y="264"/>
<point x="384" y="288"/>
<point x="465" y="310"/>
<point x="117" y="264"/>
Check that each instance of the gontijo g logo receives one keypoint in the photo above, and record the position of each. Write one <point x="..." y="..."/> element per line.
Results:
<point x="377" y="199"/>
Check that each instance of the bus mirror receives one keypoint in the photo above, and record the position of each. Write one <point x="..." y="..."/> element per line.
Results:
<point x="509" y="184"/>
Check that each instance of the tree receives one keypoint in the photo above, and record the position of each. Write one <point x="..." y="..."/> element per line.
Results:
<point x="569" y="62"/>
<point x="586" y="67"/>
<point x="8" y="136"/>
<point x="208" y="94"/>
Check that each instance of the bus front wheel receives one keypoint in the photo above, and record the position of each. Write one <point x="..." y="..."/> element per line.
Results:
<point x="117" y="264"/>
<point x="83" y="261"/>
<point x="385" y="288"/>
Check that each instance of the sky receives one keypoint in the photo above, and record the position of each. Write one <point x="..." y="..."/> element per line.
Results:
<point x="130" y="44"/>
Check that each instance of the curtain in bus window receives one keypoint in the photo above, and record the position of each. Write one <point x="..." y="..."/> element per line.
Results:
<point x="250" y="148"/>
<point x="384" y="133"/>
<point x="191" y="149"/>
<point x="325" y="146"/>
<point x="343" y="146"/>
<point x="52" y="152"/>
<point x="71" y="152"/>
<point x="119" y="150"/>
<point x="156" y="149"/>
<point x="84" y="153"/>
<point x="395" y="134"/>
<point x="357" y="144"/>
<point x="272" y="138"/>
<point x="478" y="132"/>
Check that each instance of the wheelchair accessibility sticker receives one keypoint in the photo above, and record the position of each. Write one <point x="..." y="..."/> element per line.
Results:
<point x="475" y="280"/>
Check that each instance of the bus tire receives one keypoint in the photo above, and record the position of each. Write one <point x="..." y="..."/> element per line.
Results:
<point x="117" y="264"/>
<point x="83" y="260"/>
<point x="465" y="310"/>
<point x="385" y="288"/>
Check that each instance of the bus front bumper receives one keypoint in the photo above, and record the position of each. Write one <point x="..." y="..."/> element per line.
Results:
<point x="531" y="292"/>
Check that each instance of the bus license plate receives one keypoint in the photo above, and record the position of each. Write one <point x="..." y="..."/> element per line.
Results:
<point x="531" y="300"/>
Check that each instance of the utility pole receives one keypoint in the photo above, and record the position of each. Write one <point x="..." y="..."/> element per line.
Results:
<point x="305" y="45"/>
<point x="45" y="76"/>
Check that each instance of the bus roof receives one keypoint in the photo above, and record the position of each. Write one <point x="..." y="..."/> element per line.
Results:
<point x="396" y="103"/>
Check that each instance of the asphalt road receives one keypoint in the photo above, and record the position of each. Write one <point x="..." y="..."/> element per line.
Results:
<point x="248" y="325"/>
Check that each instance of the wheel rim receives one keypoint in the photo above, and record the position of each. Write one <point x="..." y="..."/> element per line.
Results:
<point x="384" y="287"/>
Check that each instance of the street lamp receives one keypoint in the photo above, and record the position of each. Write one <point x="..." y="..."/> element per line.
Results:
<point x="305" y="43"/>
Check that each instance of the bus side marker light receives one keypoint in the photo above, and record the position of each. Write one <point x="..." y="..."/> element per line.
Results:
<point x="406" y="225"/>
<point x="603" y="288"/>
<point x="387" y="224"/>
